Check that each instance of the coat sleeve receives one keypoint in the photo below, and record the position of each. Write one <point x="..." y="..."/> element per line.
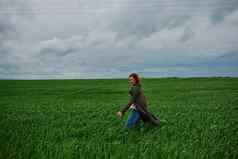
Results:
<point x="125" y="108"/>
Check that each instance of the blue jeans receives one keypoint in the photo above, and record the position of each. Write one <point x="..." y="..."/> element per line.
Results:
<point x="133" y="119"/>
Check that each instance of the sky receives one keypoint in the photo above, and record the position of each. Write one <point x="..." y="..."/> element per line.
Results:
<point x="83" y="39"/>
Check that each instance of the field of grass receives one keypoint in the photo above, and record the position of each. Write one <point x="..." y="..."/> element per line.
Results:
<point x="77" y="119"/>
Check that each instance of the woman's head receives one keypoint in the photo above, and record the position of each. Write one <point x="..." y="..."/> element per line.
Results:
<point x="134" y="79"/>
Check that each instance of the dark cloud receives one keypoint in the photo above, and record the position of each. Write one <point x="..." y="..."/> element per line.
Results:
<point x="223" y="9"/>
<point x="9" y="62"/>
<point x="228" y="59"/>
<point x="188" y="34"/>
<point x="5" y="27"/>
<point x="142" y="19"/>
<point x="6" y="24"/>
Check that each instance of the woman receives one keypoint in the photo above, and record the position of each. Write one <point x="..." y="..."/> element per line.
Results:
<point x="137" y="104"/>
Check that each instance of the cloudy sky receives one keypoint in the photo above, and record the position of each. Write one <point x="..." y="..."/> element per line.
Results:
<point x="112" y="38"/>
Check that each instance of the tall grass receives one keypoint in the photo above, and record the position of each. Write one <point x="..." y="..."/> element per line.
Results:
<point x="77" y="119"/>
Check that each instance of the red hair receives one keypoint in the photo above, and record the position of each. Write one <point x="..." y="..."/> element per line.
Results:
<point x="136" y="77"/>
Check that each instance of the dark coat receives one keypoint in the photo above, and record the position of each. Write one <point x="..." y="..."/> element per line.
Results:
<point x="138" y="99"/>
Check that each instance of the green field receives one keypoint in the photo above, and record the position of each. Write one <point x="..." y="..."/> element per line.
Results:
<point x="77" y="119"/>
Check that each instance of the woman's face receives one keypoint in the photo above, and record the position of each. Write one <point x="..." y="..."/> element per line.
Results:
<point x="132" y="81"/>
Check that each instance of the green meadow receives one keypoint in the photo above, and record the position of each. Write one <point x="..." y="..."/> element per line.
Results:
<point x="56" y="119"/>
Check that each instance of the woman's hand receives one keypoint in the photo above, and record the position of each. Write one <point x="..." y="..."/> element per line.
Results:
<point x="119" y="114"/>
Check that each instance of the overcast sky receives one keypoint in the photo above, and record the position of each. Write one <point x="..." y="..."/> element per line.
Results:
<point x="113" y="38"/>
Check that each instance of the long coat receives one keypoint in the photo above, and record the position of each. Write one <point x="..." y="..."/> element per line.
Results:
<point x="139" y="100"/>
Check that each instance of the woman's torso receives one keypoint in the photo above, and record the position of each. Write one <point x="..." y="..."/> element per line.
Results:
<point x="140" y="98"/>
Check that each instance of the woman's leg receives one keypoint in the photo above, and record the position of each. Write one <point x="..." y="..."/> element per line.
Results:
<point x="133" y="119"/>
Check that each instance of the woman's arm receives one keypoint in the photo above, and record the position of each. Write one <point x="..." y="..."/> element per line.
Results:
<point x="125" y="108"/>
